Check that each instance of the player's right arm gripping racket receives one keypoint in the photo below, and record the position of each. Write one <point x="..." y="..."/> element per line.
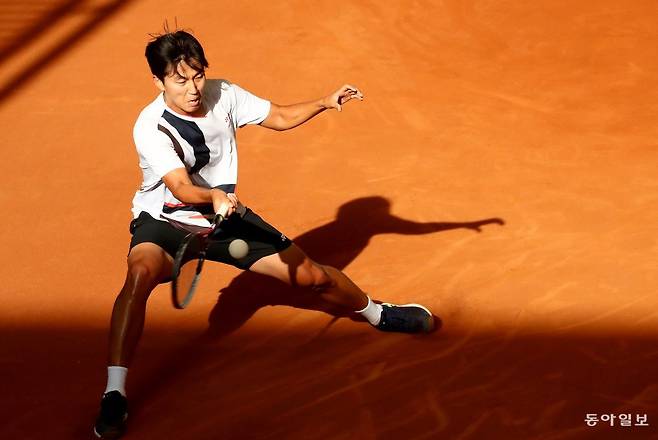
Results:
<point x="188" y="264"/>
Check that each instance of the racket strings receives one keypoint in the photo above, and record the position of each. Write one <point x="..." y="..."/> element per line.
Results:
<point x="187" y="277"/>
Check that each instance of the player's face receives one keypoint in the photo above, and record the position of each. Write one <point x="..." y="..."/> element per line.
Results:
<point x="183" y="89"/>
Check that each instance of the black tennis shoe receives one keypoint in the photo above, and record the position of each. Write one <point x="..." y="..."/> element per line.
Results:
<point x="111" y="422"/>
<point x="407" y="318"/>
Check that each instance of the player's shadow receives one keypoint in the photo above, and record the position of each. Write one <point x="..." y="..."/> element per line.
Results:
<point x="335" y="244"/>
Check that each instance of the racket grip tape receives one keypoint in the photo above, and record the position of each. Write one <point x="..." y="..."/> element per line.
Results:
<point x="218" y="219"/>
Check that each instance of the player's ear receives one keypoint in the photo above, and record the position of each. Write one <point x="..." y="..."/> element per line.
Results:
<point x="158" y="83"/>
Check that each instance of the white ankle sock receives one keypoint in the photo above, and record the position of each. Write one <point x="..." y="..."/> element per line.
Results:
<point x="116" y="379"/>
<point x="372" y="312"/>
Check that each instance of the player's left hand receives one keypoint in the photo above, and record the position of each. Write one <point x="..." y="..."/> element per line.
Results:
<point x="341" y="96"/>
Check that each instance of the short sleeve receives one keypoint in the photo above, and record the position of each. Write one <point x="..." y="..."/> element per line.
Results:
<point x="248" y="108"/>
<point x="156" y="151"/>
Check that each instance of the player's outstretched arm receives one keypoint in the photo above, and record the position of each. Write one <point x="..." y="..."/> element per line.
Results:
<point x="284" y="117"/>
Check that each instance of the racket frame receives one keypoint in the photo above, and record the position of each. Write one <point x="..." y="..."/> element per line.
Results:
<point x="203" y="240"/>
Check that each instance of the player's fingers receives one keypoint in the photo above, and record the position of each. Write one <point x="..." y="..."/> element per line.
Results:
<point x="343" y="91"/>
<point x="353" y="91"/>
<point x="233" y="198"/>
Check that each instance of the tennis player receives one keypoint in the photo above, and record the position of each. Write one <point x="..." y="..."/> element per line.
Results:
<point x="186" y="143"/>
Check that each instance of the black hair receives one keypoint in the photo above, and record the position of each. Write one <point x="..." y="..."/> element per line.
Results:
<point x="165" y="51"/>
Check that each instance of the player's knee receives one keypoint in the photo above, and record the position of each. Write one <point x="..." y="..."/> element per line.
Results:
<point x="315" y="277"/>
<point x="142" y="277"/>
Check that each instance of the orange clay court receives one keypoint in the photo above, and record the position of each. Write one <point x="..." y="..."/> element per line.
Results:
<point x="525" y="132"/>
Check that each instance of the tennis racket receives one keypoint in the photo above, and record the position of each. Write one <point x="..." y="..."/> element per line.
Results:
<point x="188" y="264"/>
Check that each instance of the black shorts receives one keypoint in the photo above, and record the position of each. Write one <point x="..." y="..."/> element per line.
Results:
<point x="263" y="239"/>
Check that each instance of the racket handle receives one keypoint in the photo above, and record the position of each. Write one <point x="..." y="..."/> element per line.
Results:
<point x="218" y="219"/>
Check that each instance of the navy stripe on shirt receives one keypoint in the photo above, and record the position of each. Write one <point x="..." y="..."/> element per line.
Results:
<point x="194" y="136"/>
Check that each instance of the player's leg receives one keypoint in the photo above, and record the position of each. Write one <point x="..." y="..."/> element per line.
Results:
<point x="149" y="263"/>
<point x="148" y="266"/>
<point x="295" y="268"/>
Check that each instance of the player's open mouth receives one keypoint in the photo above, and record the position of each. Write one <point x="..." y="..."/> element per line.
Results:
<point x="194" y="101"/>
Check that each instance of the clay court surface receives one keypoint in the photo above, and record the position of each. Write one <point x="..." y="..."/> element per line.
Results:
<point x="502" y="170"/>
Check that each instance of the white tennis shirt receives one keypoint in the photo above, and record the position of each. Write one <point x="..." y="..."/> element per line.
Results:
<point x="205" y="146"/>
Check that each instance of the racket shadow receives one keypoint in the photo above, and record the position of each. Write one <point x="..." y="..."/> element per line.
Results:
<point x="356" y="223"/>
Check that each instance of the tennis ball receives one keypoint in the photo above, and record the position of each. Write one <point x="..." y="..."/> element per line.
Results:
<point x="238" y="249"/>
